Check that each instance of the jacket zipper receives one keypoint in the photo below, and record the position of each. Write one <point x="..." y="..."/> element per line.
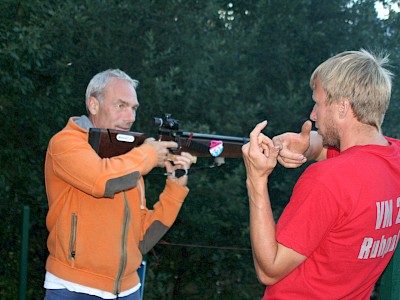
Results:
<point x="142" y="206"/>
<point x="124" y="241"/>
<point x="72" y="239"/>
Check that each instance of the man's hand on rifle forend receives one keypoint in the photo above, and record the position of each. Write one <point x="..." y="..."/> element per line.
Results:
<point x="161" y="148"/>
<point x="182" y="161"/>
<point x="293" y="146"/>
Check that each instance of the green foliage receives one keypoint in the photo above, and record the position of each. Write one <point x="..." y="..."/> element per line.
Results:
<point x="218" y="66"/>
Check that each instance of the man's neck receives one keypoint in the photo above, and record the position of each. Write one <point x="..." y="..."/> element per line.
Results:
<point x="360" y="135"/>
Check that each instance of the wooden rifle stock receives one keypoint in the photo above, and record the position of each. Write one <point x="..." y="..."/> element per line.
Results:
<point x="109" y="142"/>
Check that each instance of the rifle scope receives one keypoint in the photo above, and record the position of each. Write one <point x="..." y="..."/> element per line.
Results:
<point x="167" y="122"/>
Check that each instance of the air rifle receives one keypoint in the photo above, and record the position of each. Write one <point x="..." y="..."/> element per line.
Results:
<point x="109" y="142"/>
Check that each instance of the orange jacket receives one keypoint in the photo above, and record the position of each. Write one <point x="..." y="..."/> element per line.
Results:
<point x="98" y="222"/>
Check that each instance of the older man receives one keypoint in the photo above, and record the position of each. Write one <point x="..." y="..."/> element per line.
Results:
<point x="98" y="222"/>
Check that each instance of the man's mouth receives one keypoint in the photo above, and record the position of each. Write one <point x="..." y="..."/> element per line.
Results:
<point x="122" y="128"/>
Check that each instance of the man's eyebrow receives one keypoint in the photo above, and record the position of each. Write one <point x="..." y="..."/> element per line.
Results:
<point x="125" y="102"/>
<point x="120" y="101"/>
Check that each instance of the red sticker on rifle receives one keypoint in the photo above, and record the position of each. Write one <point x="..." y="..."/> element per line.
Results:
<point x="216" y="148"/>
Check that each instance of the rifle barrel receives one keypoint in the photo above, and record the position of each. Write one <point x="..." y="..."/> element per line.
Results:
<point x="223" y="138"/>
<point x="202" y="145"/>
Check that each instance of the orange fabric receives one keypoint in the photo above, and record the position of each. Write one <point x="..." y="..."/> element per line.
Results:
<point x="85" y="228"/>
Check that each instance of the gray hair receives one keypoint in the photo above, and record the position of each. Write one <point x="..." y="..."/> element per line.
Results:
<point x="97" y="84"/>
<point x="360" y="77"/>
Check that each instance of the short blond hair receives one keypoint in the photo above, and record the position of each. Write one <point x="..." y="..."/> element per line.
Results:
<point x="360" y="77"/>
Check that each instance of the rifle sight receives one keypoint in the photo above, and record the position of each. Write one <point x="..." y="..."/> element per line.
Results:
<point x="167" y="122"/>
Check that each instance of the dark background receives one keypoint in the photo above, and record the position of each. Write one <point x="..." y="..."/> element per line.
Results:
<point x="219" y="67"/>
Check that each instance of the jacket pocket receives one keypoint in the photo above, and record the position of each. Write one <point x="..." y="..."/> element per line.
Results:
<point x="72" y="238"/>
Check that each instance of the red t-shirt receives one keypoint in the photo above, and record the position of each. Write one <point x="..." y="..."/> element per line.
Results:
<point x="344" y="216"/>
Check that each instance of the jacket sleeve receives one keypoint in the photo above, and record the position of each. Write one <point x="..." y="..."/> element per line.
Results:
<point x="73" y="161"/>
<point x="157" y="222"/>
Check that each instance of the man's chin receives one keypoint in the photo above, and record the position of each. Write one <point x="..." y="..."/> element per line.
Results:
<point x="330" y="144"/>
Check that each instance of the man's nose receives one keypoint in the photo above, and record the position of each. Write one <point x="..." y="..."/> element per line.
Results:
<point x="313" y="114"/>
<point x="131" y="115"/>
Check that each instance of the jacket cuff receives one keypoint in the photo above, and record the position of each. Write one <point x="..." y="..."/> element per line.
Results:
<point x="174" y="191"/>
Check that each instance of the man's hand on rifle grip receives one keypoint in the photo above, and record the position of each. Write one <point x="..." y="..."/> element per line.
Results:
<point x="161" y="147"/>
<point x="182" y="161"/>
<point x="171" y="157"/>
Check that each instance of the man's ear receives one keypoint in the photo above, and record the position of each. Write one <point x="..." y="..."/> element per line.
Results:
<point x="344" y="107"/>
<point x="93" y="105"/>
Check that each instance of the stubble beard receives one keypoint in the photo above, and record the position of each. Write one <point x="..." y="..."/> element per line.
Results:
<point x="330" y="138"/>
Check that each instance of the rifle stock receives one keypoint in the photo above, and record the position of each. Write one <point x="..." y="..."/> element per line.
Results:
<point x="109" y="142"/>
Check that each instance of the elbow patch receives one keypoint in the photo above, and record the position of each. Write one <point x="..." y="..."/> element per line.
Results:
<point x="122" y="183"/>
<point x="153" y="234"/>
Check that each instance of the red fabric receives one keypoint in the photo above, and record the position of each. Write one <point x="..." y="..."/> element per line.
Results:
<point x="332" y="152"/>
<point x="340" y="210"/>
